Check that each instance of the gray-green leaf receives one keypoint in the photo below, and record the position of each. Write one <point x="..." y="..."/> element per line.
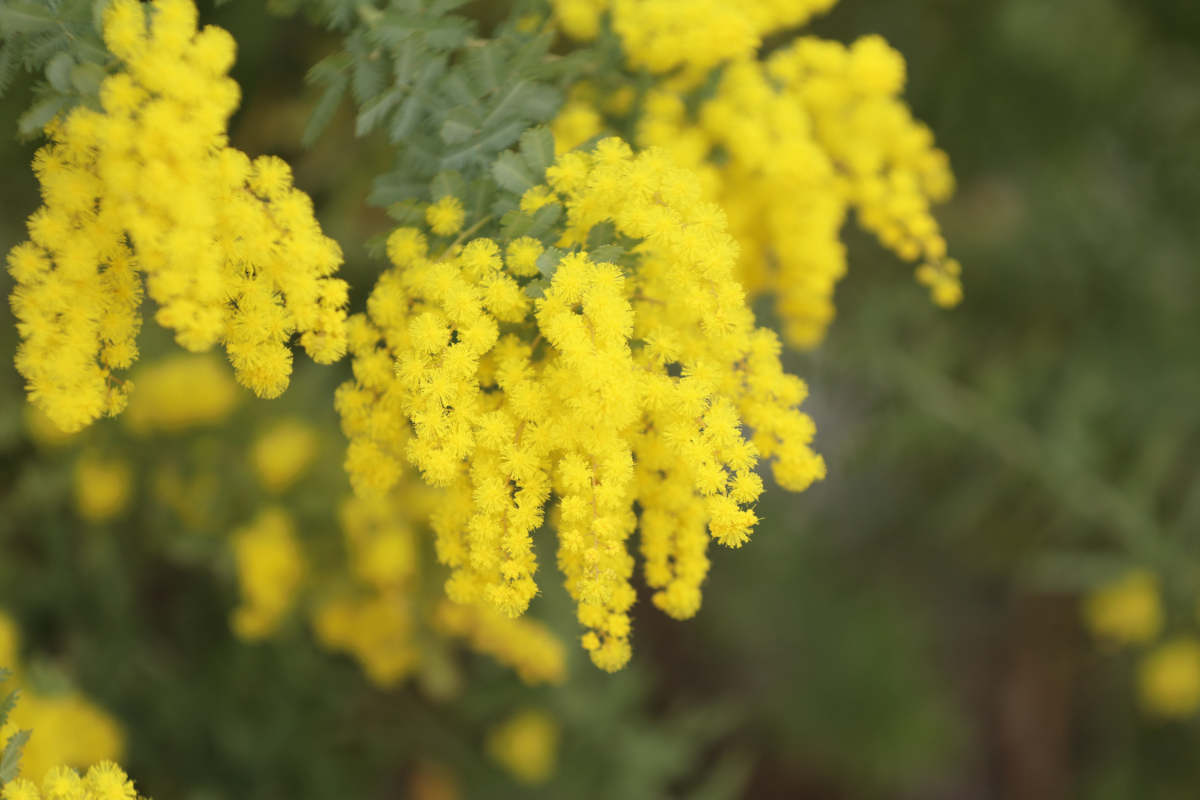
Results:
<point x="511" y="172"/>
<point x="537" y="148"/>
<point x="10" y="761"/>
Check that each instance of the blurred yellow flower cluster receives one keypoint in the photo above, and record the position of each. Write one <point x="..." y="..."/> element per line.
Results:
<point x="382" y="619"/>
<point x="283" y="453"/>
<point x="526" y="745"/>
<point x="67" y="727"/>
<point x="148" y="186"/>
<point x="372" y="607"/>
<point x="1169" y="678"/>
<point x="103" y="486"/>
<point x="1128" y="611"/>
<point x="525" y="645"/>
<point x="270" y="566"/>
<point x="180" y="392"/>
<point x="375" y="619"/>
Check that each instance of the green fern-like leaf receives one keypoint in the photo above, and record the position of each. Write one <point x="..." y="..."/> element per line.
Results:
<point x="537" y="149"/>
<point x="10" y="700"/>
<point x="57" y="40"/>
<point x="10" y="761"/>
<point x="10" y="758"/>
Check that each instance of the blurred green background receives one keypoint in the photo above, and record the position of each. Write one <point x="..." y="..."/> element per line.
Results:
<point x="909" y="628"/>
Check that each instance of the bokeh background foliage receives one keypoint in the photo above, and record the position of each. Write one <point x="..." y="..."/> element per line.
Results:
<point x="908" y="628"/>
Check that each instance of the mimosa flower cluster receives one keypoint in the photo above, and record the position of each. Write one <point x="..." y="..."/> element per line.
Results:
<point x="598" y="374"/>
<point x="663" y="35"/>
<point x="148" y="188"/>
<point x="103" y="781"/>
<point x="618" y="386"/>
<point x="787" y="146"/>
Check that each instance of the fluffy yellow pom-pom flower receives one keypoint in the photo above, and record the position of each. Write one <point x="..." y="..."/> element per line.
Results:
<point x="283" y="453"/>
<point x="1169" y="679"/>
<point x="103" y="487"/>
<point x="1127" y="610"/>
<point x="526" y="745"/>
<point x="445" y="217"/>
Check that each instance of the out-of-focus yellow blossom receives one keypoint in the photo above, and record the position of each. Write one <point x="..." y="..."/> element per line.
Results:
<point x="381" y="622"/>
<point x="627" y="386"/>
<point x="67" y="727"/>
<point x="148" y="186"/>
<point x="270" y="567"/>
<point x="1127" y="610"/>
<point x="577" y="122"/>
<point x="376" y="624"/>
<point x="10" y="642"/>
<point x="42" y="429"/>
<point x="445" y="217"/>
<point x="102" y="781"/>
<point x="103" y="486"/>
<point x="179" y="392"/>
<point x="580" y="19"/>
<point x="380" y="540"/>
<point x="789" y="146"/>
<point x="1169" y="678"/>
<point x="377" y="629"/>
<point x="695" y="35"/>
<point x="284" y="453"/>
<point x="525" y="645"/>
<point x="943" y="278"/>
<point x="526" y="745"/>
